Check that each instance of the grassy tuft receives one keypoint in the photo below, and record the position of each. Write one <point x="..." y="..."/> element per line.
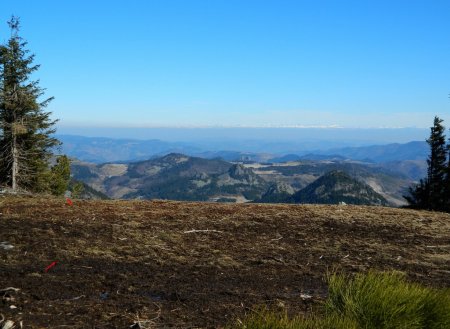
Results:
<point x="372" y="300"/>
<point x="265" y="319"/>
<point x="387" y="300"/>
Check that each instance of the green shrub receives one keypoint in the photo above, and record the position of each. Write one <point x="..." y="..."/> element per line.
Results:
<point x="60" y="176"/>
<point x="371" y="300"/>
<point x="387" y="300"/>
<point x="76" y="188"/>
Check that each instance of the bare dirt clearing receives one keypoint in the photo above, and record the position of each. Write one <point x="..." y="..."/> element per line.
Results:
<point x="181" y="264"/>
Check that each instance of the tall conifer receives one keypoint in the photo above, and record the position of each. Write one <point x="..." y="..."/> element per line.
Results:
<point x="437" y="165"/>
<point x="431" y="192"/>
<point x="447" y="180"/>
<point x="25" y="128"/>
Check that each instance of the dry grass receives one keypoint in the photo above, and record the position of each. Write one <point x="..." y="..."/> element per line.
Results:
<point x="237" y="257"/>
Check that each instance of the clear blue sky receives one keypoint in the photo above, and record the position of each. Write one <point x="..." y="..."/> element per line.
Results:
<point x="240" y="62"/>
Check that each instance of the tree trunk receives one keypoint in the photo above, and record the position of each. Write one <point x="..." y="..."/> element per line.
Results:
<point x="15" y="163"/>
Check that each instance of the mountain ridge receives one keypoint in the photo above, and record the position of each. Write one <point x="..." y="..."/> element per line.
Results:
<point x="181" y="177"/>
<point x="102" y="150"/>
<point x="338" y="187"/>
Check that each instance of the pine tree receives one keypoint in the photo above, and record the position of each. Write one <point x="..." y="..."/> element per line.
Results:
<point x="419" y="195"/>
<point x="447" y="180"/>
<point x="60" y="176"/>
<point x="25" y="128"/>
<point x="76" y="189"/>
<point x="430" y="193"/>
<point x="437" y="165"/>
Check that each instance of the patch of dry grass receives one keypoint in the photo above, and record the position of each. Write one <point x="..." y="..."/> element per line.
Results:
<point x="236" y="256"/>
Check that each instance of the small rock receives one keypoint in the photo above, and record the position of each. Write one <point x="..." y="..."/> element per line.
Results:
<point x="8" y="325"/>
<point x="13" y="307"/>
<point x="281" y="304"/>
<point x="6" y="246"/>
<point x="8" y="298"/>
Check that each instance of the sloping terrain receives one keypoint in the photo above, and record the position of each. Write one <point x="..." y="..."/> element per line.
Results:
<point x="175" y="177"/>
<point x="185" y="264"/>
<point x="277" y="193"/>
<point x="388" y="182"/>
<point x="413" y="169"/>
<point x="181" y="177"/>
<point x="335" y="187"/>
<point x="416" y="150"/>
<point x="101" y="149"/>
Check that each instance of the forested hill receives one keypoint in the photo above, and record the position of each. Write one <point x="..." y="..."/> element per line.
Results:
<point x="338" y="187"/>
<point x="181" y="177"/>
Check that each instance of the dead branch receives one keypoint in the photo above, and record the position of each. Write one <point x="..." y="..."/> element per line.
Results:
<point x="9" y="288"/>
<point x="78" y="297"/>
<point x="202" y="231"/>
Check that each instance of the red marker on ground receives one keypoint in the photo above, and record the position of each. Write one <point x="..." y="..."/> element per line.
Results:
<point x="50" y="266"/>
<point x="69" y="202"/>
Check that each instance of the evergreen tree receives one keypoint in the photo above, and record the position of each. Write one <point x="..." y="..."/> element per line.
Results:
<point x="76" y="189"/>
<point x="447" y="180"/>
<point x="60" y="176"/>
<point x="437" y="165"/>
<point x="419" y="195"/>
<point x="430" y="193"/>
<point x="25" y="128"/>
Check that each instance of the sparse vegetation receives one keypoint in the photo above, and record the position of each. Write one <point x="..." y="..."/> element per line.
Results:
<point x="372" y="300"/>
<point x="188" y="264"/>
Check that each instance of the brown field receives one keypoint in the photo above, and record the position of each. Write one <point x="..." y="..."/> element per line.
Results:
<point x="181" y="264"/>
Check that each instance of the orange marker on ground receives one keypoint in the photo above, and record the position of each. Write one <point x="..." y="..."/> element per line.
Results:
<point x="50" y="266"/>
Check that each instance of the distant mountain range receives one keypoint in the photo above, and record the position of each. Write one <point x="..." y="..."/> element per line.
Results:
<point x="101" y="150"/>
<point x="126" y="168"/>
<point x="374" y="153"/>
<point x="181" y="177"/>
<point x="175" y="177"/>
<point x="383" y="153"/>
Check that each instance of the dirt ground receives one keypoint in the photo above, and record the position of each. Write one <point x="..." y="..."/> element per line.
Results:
<point x="188" y="265"/>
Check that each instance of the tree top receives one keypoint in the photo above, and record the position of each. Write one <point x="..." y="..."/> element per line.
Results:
<point x="14" y="25"/>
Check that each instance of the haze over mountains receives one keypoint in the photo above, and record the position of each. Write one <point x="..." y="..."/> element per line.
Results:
<point x="181" y="177"/>
<point x="101" y="150"/>
<point x="246" y="171"/>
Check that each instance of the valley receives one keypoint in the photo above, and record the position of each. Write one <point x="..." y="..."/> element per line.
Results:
<point x="181" y="177"/>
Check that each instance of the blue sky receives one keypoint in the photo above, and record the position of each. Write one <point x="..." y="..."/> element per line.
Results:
<point x="143" y="63"/>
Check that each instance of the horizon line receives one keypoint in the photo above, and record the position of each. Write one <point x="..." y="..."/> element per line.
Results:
<point x="235" y="126"/>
